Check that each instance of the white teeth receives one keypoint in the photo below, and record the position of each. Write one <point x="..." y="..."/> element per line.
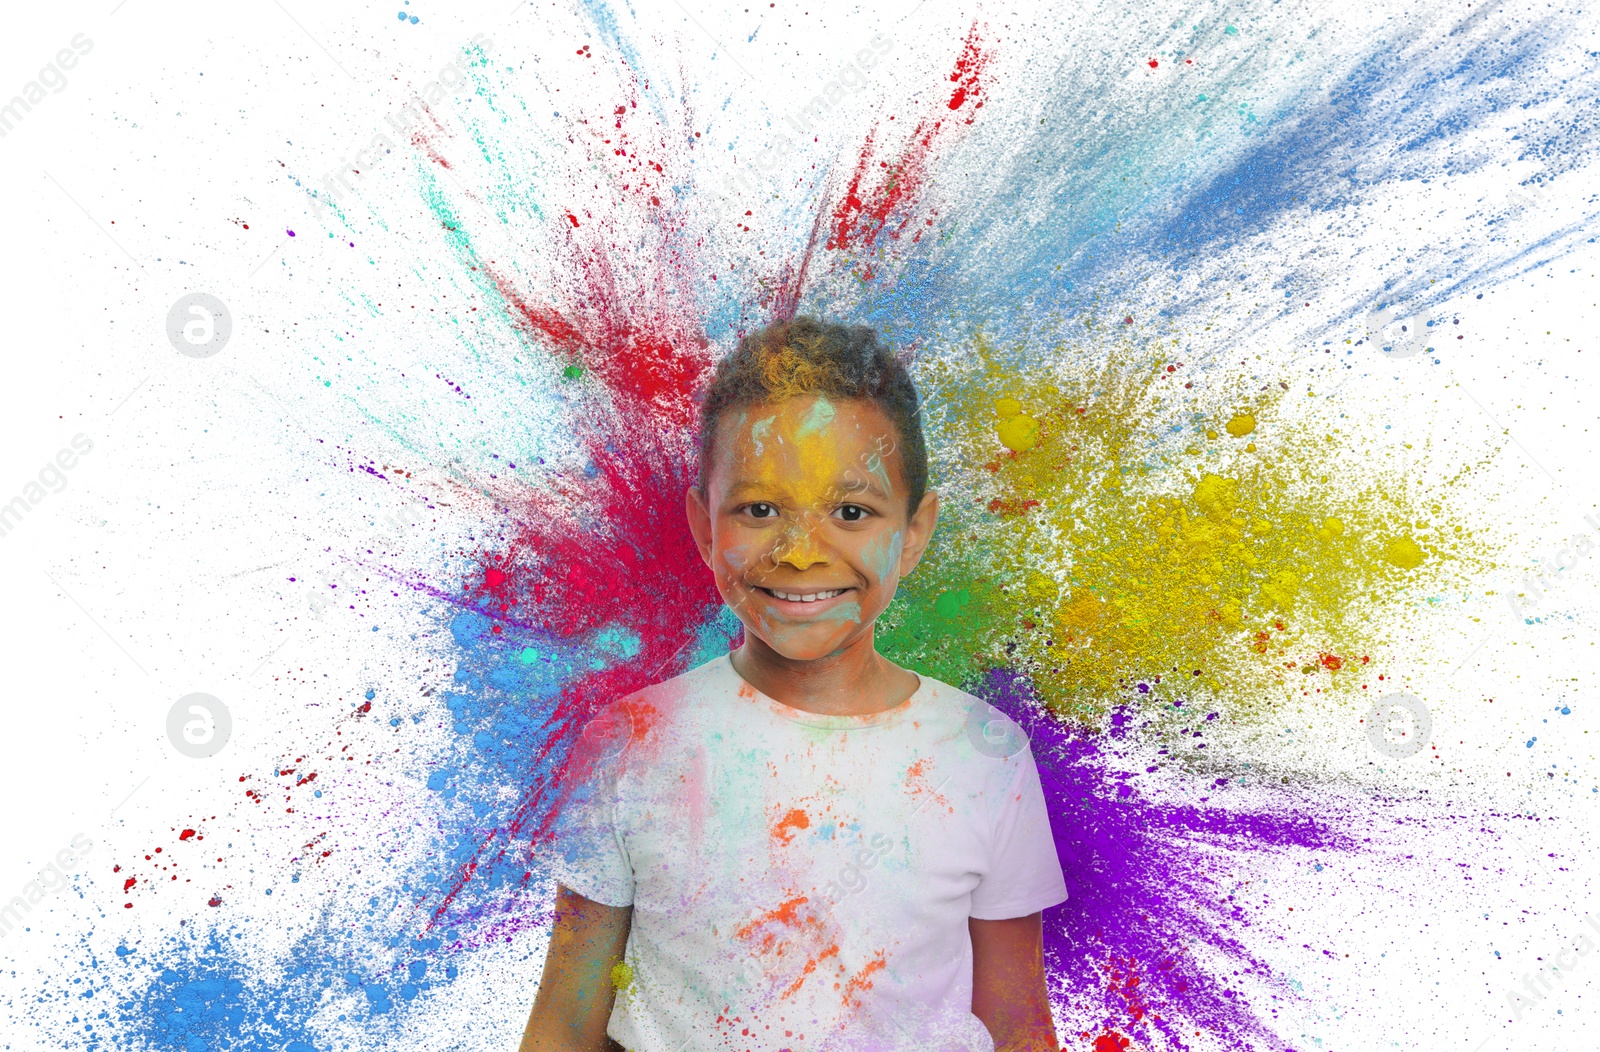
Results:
<point x="812" y="598"/>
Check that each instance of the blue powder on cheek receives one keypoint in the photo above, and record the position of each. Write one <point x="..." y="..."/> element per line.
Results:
<point x="883" y="555"/>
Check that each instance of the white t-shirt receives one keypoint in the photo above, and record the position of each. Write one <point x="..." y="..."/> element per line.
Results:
<point x="801" y="881"/>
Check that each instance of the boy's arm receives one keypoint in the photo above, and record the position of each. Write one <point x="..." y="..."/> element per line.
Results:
<point x="1008" y="985"/>
<point x="575" y="991"/>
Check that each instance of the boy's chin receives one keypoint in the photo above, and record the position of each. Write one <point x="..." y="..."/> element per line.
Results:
<point x="806" y="644"/>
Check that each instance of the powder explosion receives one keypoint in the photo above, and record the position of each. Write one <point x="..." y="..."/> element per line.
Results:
<point x="1140" y="536"/>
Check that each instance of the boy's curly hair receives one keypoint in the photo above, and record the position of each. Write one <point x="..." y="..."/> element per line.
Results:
<point x="808" y="356"/>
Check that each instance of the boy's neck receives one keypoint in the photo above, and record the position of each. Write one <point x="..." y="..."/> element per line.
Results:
<point x="856" y="681"/>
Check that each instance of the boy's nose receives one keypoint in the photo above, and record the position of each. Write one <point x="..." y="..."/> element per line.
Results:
<point x="799" y="547"/>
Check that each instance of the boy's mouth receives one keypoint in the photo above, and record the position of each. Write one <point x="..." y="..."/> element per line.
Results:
<point x="803" y="599"/>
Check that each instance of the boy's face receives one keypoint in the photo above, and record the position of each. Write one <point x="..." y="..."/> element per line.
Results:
<point x="804" y="521"/>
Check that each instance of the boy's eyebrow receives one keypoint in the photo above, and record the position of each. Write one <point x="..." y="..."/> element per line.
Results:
<point x="863" y="482"/>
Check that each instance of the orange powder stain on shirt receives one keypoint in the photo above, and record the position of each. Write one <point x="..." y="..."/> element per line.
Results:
<point x="787" y="914"/>
<point x="782" y="934"/>
<point x="917" y="782"/>
<point x="810" y="966"/>
<point x="796" y="819"/>
<point x="860" y="980"/>
<point x="642" y="719"/>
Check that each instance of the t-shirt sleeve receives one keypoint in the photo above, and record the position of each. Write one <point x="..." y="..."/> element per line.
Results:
<point x="590" y="854"/>
<point x="1023" y="874"/>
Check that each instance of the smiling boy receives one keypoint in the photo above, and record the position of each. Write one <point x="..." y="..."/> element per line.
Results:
<point x="799" y="845"/>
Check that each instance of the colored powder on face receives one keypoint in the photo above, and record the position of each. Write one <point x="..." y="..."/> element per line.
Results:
<point x="758" y="432"/>
<point x="809" y="461"/>
<point x="882" y="556"/>
<point x="818" y="419"/>
<point x="850" y="611"/>
<point x="880" y="473"/>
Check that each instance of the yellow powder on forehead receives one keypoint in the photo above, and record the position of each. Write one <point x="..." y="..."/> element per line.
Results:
<point x="806" y="459"/>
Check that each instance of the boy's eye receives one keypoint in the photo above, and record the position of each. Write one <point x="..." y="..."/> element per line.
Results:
<point x="761" y="510"/>
<point x="851" y="512"/>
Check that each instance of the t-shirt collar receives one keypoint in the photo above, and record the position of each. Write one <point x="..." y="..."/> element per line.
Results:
<point x="820" y="720"/>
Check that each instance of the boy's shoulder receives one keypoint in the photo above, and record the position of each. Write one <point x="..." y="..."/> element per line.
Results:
<point x="972" y="725"/>
<point x="693" y="688"/>
<point x="660" y="704"/>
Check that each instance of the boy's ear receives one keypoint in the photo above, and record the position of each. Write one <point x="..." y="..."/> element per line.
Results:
<point x="919" y="531"/>
<point x="699" y="516"/>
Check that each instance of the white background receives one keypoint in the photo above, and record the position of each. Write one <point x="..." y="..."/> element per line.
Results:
<point x="150" y="575"/>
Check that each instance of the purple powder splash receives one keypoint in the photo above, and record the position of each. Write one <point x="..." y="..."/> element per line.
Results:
<point x="1147" y="881"/>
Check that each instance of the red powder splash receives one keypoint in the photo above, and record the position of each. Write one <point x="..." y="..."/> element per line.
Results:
<point x="965" y="76"/>
<point x="636" y="328"/>
<point x="628" y="315"/>
<point x="427" y="140"/>
<point x="879" y="189"/>
<point x="781" y="293"/>
<point x="164" y="867"/>
<point x="593" y="552"/>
